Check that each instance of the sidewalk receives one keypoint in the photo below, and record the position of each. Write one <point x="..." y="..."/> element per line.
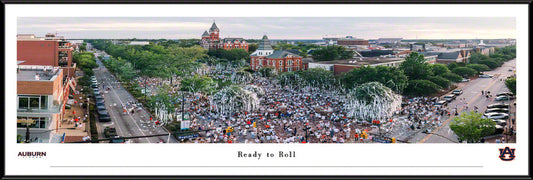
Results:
<point x="68" y="126"/>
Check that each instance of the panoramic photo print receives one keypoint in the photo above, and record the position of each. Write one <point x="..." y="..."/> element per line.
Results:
<point x="266" y="80"/>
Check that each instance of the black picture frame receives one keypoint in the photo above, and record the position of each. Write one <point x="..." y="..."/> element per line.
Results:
<point x="7" y="2"/>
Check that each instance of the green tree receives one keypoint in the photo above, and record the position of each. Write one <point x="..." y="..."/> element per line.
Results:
<point x="471" y="126"/>
<point x="452" y="66"/>
<point x="452" y="77"/>
<point x="127" y="73"/>
<point x="197" y="83"/>
<point x="475" y="58"/>
<point x="391" y="77"/>
<point x="491" y="63"/>
<point x="415" y="67"/>
<point x="267" y="71"/>
<point x="252" y="47"/>
<point x="371" y="101"/>
<point x="464" y="71"/>
<point x="303" y="54"/>
<point x="478" y="67"/>
<point x="329" y="53"/>
<point x="317" y="77"/>
<point x="511" y="84"/>
<point x="442" y="82"/>
<point x="421" y="88"/>
<point x="439" y="69"/>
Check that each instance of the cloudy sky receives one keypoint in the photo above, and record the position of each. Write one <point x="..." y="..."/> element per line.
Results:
<point x="275" y="28"/>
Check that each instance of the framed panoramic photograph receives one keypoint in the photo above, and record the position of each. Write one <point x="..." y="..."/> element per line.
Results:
<point x="255" y="90"/>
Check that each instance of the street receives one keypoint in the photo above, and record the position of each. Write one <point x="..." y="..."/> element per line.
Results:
<point x="126" y="123"/>
<point x="472" y="94"/>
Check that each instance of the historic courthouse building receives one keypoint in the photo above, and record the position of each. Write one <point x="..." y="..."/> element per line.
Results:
<point x="282" y="61"/>
<point x="211" y="40"/>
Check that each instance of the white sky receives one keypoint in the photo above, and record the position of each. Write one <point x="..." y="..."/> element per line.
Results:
<point x="275" y="28"/>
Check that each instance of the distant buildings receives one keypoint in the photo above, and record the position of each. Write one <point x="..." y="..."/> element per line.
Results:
<point x="347" y="41"/>
<point x="389" y="40"/>
<point x="211" y="40"/>
<point x="353" y="43"/>
<point x="280" y="60"/>
<point x="342" y="66"/>
<point x="142" y="43"/>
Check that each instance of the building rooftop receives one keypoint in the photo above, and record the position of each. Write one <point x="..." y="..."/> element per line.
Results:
<point x="362" y="61"/>
<point x="37" y="73"/>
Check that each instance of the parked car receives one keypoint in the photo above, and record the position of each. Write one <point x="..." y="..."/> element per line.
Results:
<point x="98" y="97"/>
<point x="505" y="94"/>
<point x="449" y="97"/>
<point x="500" y="122"/>
<point x="117" y="140"/>
<point x="99" y="108"/>
<point x="485" y="76"/>
<point x="94" y="85"/>
<point x="510" y="69"/>
<point x="99" y="104"/>
<point x="502" y="98"/>
<point x="465" y="80"/>
<point x="434" y="99"/>
<point x="497" y="115"/>
<point x="498" y="106"/>
<point x="110" y="132"/>
<point x="501" y="110"/>
<point x="441" y="103"/>
<point x="104" y="118"/>
<point x="457" y="91"/>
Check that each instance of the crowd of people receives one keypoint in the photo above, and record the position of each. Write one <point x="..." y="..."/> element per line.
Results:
<point x="301" y="115"/>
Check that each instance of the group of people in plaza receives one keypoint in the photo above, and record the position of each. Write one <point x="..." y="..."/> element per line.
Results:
<point x="299" y="115"/>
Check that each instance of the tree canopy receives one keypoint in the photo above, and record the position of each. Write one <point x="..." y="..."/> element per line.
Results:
<point x="464" y="71"/>
<point x="391" y="77"/>
<point x="511" y="84"/>
<point x="330" y="53"/>
<point x="415" y="67"/>
<point x="471" y="126"/>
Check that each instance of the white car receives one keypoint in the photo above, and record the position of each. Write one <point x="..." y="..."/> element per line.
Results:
<point x="465" y="80"/>
<point x="496" y="115"/>
<point x="485" y="76"/>
<point x="500" y="122"/>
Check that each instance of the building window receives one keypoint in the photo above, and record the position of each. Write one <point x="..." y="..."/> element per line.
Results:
<point x="297" y="68"/>
<point x="289" y="69"/>
<point x="280" y="69"/>
<point x="33" y="102"/>
<point x="280" y="63"/>
<point x="32" y="122"/>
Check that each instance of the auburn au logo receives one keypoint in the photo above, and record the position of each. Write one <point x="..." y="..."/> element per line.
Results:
<point x="507" y="154"/>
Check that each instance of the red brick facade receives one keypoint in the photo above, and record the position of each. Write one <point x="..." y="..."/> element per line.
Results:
<point x="211" y="40"/>
<point x="287" y="64"/>
<point x="38" y="52"/>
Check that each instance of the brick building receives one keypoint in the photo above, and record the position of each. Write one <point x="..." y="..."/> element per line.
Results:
<point x="50" y="50"/>
<point x="282" y="61"/>
<point x="42" y="93"/>
<point x="211" y="40"/>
